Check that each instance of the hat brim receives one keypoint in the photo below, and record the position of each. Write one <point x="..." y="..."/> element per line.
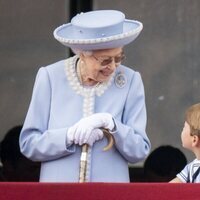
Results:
<point x="131" y="30"/>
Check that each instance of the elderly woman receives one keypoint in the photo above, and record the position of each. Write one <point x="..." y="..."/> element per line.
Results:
<point x="74" y="100"/>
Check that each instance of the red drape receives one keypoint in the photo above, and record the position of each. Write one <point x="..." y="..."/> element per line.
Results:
<point x="99" y="191"/>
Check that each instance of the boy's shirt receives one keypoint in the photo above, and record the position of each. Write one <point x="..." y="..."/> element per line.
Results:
<point x="191" y="172"/>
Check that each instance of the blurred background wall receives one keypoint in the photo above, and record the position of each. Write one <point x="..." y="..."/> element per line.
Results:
<point x="166" y="54"/>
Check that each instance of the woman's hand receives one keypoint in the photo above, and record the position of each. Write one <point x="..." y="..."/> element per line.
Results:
<point x="83" y="129"/>
<point x="94" y="136"/>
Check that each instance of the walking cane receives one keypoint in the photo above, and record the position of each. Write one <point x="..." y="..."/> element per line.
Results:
<point x="84" y="154"/>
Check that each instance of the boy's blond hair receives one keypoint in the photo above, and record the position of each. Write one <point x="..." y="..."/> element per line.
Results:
<point x="192" y="117"/>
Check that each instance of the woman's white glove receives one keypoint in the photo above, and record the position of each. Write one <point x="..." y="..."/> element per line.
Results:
<point x="70" y="137"/>
<point x="83" y="129"/>
<point x="94" y="136"/>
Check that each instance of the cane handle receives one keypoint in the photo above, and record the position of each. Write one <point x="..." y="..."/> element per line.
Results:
<point x="109" y="138"/>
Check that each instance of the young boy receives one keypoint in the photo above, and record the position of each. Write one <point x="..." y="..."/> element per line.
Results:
<point x="190" y="137"/>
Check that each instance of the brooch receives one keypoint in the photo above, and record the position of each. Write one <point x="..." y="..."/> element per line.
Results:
<point x="120" y="80"/>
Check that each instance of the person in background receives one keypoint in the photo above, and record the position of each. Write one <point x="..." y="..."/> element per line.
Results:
<point x="190" y="137"/>
<point x="75" y="100"/>
<point x="15" y="166"/>
<point x="163" y="163"/>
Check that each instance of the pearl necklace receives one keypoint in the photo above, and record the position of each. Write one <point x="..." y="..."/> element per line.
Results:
<point x="70" y="70"/>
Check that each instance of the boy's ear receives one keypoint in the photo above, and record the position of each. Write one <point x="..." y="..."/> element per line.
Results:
<point x="195" y="141"/>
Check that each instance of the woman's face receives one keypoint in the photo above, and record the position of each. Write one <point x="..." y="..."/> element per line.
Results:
<point x="101" y="64"/>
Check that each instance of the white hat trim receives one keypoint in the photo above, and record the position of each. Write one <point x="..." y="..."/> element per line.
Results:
<point x="97" y="40"/>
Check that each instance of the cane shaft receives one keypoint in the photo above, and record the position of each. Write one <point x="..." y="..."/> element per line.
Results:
<point x="83" y="164"/>
<point x="84" y="155"/>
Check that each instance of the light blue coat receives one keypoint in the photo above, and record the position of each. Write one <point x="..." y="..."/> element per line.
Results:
<point x="55" y="107"/>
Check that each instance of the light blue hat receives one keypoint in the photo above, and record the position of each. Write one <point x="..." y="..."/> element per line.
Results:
<point x="100" y="29"/>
